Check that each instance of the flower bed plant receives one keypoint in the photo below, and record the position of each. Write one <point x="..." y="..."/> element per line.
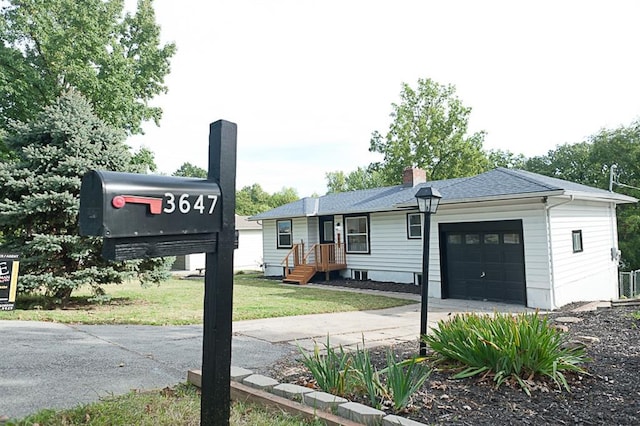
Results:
<point x="519" y="347"/>
<point x="353" y="374"/>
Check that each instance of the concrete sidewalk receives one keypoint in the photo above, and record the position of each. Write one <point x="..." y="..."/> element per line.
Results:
<point x="51" y="365"/>
<point x="379" y="327"/>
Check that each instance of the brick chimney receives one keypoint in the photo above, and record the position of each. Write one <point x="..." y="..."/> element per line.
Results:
<point x="411" y="176"/>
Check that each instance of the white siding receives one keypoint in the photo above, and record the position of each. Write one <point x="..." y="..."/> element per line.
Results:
<point x="274" y="256"/>
<point x="248" y="255"/>
<point x="589" y="275"/>
<point x="394" y="257"/>
<point x="313" y="234"/>
<point x="536" y="254"/>
<point x="592" y="273"/>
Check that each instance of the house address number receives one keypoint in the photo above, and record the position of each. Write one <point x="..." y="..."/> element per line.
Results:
<point x="184" y="203"/>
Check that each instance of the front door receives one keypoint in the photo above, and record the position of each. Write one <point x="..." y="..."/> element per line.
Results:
<point x="326" y="229"/>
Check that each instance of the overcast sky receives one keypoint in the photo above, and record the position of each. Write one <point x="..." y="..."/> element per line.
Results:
<point x="307" y="82"/>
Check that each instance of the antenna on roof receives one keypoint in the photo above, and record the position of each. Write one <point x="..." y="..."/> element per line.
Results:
<point x="614" y="177"/>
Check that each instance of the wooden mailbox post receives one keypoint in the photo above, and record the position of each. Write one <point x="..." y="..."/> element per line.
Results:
<point x="141" y="216"/>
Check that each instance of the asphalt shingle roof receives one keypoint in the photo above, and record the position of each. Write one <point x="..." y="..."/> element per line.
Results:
<point x="494" y="184"/>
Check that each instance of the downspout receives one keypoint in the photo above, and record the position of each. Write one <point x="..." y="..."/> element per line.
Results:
<point x="616" y="255"/>
<point x="547" y="209"/>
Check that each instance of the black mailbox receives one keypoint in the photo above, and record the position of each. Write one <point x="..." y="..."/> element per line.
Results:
<point x="121" y="205"/>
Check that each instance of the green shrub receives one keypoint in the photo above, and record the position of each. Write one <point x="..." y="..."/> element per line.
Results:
<point x="519" y="347"/>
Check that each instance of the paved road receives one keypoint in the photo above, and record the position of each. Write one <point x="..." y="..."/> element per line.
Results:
<point x="50" y="365"/>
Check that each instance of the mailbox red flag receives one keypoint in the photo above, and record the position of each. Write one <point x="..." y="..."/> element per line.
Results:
<point x="155" y="204"/>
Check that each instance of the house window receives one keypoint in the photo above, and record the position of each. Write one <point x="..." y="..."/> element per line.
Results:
<point x="576" y="236"/>
<point x="417" y="279"/>
<point x="285" y="236"/>
<point x="360" y="275"/>
<point x="414" y="225"/>
<point x="357" y="234"/>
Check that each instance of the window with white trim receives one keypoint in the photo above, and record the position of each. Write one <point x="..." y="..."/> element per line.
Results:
<point x="414" y="225"/>
<point x="576" y="236"/>
<point x="285" y="233"/>
<point x="357" y="234"/>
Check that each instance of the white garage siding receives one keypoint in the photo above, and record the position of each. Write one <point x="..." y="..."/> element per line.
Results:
<point x="536" y="251"/>
<point x="592" y="273"/>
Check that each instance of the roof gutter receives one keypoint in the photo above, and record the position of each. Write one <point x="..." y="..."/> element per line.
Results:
<point x="547" y="209"/>
<point x="488" y="198"/>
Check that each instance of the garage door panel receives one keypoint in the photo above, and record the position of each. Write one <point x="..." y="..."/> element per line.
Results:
<point x="476" y="288"/>
<point x="484" y="260"/>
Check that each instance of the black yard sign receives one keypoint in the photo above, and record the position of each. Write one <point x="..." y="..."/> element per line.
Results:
<point x="141" y="216"/>
<point x="8" y="280"/>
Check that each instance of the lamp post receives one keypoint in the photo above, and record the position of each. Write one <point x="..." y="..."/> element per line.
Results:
<point x="428" y="200"/>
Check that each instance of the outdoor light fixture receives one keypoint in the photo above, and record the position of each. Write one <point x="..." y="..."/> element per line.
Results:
<point x="428" y="200"/>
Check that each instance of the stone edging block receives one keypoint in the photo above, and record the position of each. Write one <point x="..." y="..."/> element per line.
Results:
<point x="238" y="374"/>
<point x="352" y="411"/>
<point x="258" y="381"/>
<point x="361" y="413"/>
<point x="392" y="420"/>
<point x="291" y="391"/>
<point x="322" y="400"/>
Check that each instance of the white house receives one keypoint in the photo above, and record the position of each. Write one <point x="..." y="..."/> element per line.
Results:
<point x="247" y="257"/>
<point x="504" y="235"/>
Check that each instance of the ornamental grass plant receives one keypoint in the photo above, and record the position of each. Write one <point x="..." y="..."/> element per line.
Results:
<point x="404" y="379"/>
<point x="519" y="347"/>
<point x="353" y="374"/>
<point x="332" y="370"/>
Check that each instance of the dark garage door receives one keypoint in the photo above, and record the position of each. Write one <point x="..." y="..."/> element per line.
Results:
<point x="483" y="261"/>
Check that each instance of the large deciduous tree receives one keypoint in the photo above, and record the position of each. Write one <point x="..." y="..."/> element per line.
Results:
<point x="505" y="158"/>
<point x="361" y="178"/>
<point x="252" y="199"/>
<point x="429" y="130"/>
<point x="191" y="170"/>
<point x="115" y="60"/>
<point x="39" y="200"/>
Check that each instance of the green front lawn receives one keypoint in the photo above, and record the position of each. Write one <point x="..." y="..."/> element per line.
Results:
<point x="177" y="406"/>
<point x="180" y="302"/>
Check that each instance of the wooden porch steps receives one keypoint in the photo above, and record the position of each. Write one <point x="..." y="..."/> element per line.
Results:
<point x="301" y="274"/>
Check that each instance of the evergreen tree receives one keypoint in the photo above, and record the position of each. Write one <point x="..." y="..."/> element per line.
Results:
<point x="39" y="200"/>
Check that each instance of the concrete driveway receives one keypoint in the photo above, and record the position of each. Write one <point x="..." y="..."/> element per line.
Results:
<point x="51" y="365"/>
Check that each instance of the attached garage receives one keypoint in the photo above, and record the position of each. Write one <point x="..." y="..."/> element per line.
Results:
<point x="483" y="261"/>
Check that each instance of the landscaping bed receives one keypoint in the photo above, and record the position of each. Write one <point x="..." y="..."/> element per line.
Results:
<point x="608" y="394"/>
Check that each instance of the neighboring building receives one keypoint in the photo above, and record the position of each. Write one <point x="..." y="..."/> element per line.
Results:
<point x="247" y="257"/>
<point x="503" y="235"/>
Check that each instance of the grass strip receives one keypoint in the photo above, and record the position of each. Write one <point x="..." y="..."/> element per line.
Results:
<point x="180" y="302"/>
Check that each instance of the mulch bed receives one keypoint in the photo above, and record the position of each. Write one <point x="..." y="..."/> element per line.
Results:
<point x="609" y="394"/>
